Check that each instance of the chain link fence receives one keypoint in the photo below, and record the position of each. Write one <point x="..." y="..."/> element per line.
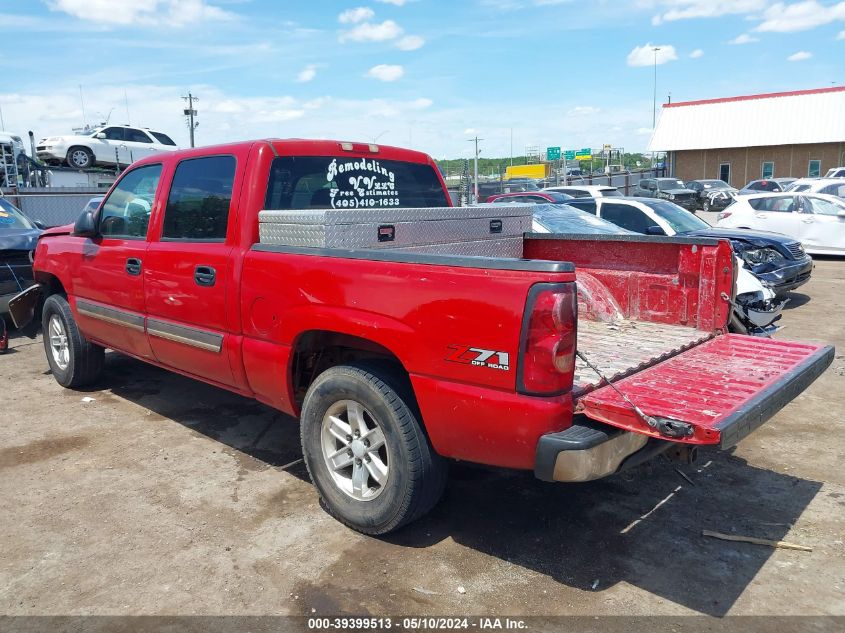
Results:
<point x="51" y="206"/>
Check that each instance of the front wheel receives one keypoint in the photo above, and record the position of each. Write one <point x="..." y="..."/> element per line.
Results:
<point x="705" y="206"/>
<point x="74" y="361"/>
<point x="366" y="452"/>
<point x="80" y="157"/>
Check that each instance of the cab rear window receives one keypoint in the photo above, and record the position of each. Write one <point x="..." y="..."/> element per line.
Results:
<point x="343" y="182"/>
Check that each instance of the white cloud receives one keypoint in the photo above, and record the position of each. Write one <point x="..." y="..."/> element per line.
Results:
<point x="307" y="74"/>
<point x="690" y="9"/>
<point x="644" y="55"/>
<point x="367" y="32"/>
<point x="421" y="103"/>
<point x="174" y="13"/>
<point x="800" y="16"/>
<point x="697" y="53"/>
<point x="644" y="131"/>
<point x="745" y="38"/>
<point x="410" y="43"/>
<point x="353" y="16"/>
<point x="582" y="111"/>
<point x="386" y="72"/>
<point x="800" y="56"/>
<point x="397" y="3"/>
<point x="841" y="35"/>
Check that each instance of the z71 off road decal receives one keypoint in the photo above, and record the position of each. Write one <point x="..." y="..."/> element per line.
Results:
<point x="478" y="357"/>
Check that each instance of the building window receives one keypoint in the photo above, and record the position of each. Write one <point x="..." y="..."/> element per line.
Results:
<point x="768" y="170"/>
<point x="815" y="169"/>
<point x="725" y="172"/>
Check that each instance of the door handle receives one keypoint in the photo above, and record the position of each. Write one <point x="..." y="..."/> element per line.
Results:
<point x="760" y="215"/>
<point x="808" y="221"/>
<point x="133" y="266"/>
<point x="205" y="275"/>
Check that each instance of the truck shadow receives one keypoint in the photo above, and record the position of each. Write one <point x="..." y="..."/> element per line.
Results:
<point x="642" y="528"/>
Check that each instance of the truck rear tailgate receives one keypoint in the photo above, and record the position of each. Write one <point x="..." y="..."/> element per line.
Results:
<point x="714" y="393"/>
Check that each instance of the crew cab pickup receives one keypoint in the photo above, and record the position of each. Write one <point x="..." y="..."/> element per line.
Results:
<point x="577" y="359"/>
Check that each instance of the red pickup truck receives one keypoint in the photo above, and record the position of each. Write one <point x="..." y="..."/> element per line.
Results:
<point x="397" y="361"/>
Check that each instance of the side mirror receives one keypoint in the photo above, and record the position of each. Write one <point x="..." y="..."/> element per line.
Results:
<point x="100" y="135"/>
<point x="85" y="225"/>
<point x="654" y="230"/>
<point x="39" y="224"/>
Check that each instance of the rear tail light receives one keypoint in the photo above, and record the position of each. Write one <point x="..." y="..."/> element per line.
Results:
<point x="723" y="215"/>
<point x="546" y="365"/>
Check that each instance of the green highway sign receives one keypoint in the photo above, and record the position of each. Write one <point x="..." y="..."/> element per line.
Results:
<point x="552" y="153"/>
<point x="569" y="154"/>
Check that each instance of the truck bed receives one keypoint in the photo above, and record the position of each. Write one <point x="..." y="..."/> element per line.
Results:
<point x="622" y="348"/>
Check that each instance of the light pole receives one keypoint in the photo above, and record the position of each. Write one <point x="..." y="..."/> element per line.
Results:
<point x="190" y="112"/>
<point x="475" y="170"/>
<point x="654" y="103"/>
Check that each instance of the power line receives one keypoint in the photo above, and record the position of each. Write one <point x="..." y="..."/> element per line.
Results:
<point x="190" y="113"/>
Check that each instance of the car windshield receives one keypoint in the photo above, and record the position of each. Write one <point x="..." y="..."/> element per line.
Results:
<point x="11" y="218"/>
<point x="670" y="184"/>
<point x="562" y="218"/>
<point x="162" y="138"/>
<point x="715" y="184"/>
<point x="610" y="192"/>
<point x="681" y="220"/>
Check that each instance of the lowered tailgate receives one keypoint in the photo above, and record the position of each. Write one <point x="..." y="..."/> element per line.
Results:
<point x="715" y="393"/>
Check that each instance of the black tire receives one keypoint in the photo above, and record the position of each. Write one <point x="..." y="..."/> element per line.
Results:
<point x="85" y="359"/>
<point x="705" y="206"/>
<point x="80" y="157"/>
<point x="416" y="474"/>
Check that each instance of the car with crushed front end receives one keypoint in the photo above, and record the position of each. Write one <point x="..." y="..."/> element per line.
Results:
<point x="712" y="195"/>
<point x="18" y="238"/>
<point x="672" y="189"/>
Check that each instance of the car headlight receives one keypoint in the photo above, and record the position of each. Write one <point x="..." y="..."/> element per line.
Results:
<point x="762" y="256"/>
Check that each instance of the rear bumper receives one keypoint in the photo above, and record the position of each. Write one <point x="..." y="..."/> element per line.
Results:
<point x="756" y="411"/>
<point x="585" y="451"/>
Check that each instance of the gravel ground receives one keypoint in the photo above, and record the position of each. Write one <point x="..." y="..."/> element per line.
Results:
<point x="155" y="494"/>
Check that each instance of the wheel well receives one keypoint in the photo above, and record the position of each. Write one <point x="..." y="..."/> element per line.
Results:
<point x="318" y="350"/>
<point x="50" y="284"/>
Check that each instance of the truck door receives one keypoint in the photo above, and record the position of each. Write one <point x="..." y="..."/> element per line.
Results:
<point x="188" y="270"/>
<point x="108" y="282"/>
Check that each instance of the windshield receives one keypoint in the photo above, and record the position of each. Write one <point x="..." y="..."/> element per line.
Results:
<point x="562" y="218"/>
<point x="11" y="218"/>
<point x="715" y="184"/>
<point x="610" y="192"/>
<point x="670" y="184"/>
<point x="681" y="220"/>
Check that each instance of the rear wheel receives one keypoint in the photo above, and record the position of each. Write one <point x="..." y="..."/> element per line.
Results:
<point x="80" y="157"/>
<point x="74" y="361"/>
<point x="366" y="452"/>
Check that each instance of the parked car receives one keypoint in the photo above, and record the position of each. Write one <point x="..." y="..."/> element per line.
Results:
<point x="835" y="172"/>
<point x="92" y="205"/>
<point x="563" y="218"/>
<point x="585" y="191"/>
<point x="396" y="360"/>
<point x="817" y="220"/>
<point x="767" y="184"/>
<point x="777" y="260"/>
<point x="110" y="145"/>
<point x="18" y="237"/>
<point x="668" y="189"/>
<point x="831" y="186"/>
<point x="712" y="195"/>
<point x="487" y="189"/>
<point x="530" y="197"/>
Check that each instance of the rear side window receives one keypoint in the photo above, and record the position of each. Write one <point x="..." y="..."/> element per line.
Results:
<point x="345" y="182"/>
<point x="163" y="138"/>
<point x="136" y="136"/>
<point x="778" y="204"/>
<point x="627" y="217"/>
<point x="200" y="196"/>
<point x="126" y="212"/>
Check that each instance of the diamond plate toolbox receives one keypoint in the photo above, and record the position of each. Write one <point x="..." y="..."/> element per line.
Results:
<point x="396" y="228"/>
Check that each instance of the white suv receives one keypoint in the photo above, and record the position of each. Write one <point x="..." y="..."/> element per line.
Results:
<point x="836" y="172"/>
<point x="831" y="186"/>
<point x="110" y="145"/>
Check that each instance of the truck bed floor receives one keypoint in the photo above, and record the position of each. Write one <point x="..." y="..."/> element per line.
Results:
<point x="622" y="348"/>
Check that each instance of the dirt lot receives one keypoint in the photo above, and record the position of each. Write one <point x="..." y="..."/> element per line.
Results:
<point x="166" y="496"/>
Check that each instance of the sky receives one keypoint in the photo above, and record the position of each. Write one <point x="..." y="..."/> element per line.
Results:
<point x="426" y="74"/>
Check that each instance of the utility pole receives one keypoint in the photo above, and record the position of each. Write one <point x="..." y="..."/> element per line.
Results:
<point x="475" y="179"/>
<point x="654" y="103"/>
<point x="190" y="113"/>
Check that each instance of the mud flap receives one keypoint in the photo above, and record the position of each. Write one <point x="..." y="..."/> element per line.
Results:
<point x="715" y="393"/>
<point x="22" y="306"/>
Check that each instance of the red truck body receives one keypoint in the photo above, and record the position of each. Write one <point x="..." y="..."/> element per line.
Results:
<point x="262" y="326"/>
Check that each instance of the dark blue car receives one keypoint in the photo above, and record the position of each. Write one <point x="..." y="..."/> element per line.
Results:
<point x="18" y="236"/>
